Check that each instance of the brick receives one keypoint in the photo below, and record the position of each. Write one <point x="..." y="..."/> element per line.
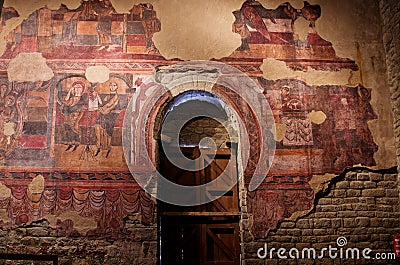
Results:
<point x="294" y="233"/>
<point x="351" y="200"/>
<point x="356" y="184"/>
<point x="353" y="193"/>
<point x="388" y="222"/>
<point x="391" y="177"/>
<point x="348" y="207"/>
<point x="349" y="223"/>
<point x="384" y="208"/>
<point x="325" y="215"/>
<point x="329" y="208"/>
<point x="392" y="193"/>
<point x="337" y="201"/>
<point x="311" y="239"/>
<point x="323" y="239"/>
<point x="325" y="201"/>
<point x="362" y="221"/>
<point x="363" y="176"/>
<point x="373" y="193"/>
<point x="383" y="214"/>
<point x="30" y="241"/>
<point x="37" y="232"/>
<point x="322" y="223"/>
<point x="365" y="200"/>
<point x="319" y="232"/>
<point x="370" y="184"/>
<point x="287" y="224"/>
<point x="255" y="262"/>
<point x="147" y="234"/>
<point x="336" y="223"/>
<point x="252" y="247"/>
<point x="347" y="214"/>
<point x="302" y="224"/>
<point x="342" y="185"/>
<point x="375" y="176"/>
<point x="339" y="193"/>
<point x="307" y="232"/>
<point x="351" y="176"/>
<point x="387" y="184"/>
<point x="362" y="210"/>
<point x="387" y="201"/>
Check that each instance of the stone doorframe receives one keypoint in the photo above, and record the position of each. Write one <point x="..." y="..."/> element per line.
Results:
<point x="238" y="91"/>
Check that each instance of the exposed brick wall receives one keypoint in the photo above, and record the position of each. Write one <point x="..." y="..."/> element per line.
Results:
<point x="361" y="206"/>
<point x="40" y="239"/>
<point x="195" y="130"/>
<point x="390" y="14"/>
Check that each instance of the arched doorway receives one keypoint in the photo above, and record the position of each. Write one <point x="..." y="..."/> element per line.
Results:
<point x="206" y="233"/>
<point x="242" y="100"/>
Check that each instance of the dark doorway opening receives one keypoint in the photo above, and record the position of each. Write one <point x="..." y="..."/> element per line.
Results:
<point x="209" y="233"/>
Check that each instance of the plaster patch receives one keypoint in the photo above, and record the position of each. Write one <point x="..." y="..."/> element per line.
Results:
<point x="97" y="74"/>
<point x="25" y="8"/>
<point x="301" y="28"/>
<point x="29" y="67"/>
<point x="279" y="131"/>
<point x="37" y="185"/>
<point x="317" y="117"/>
<point x="5" y="192"/>
<point x="274" y="69"/>
<point x="197" y="30"/>
<point x="4" y="216"/>
<point x="81" y="224"/>
<point x="9" y="129"/>
<point x="319" y="183"/>
<point x="385" y="156"/>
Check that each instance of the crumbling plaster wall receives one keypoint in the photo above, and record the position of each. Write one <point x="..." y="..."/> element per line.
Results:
<point x="390" y="12"/>
<point x="361" y="205"/>
<point x="353" y="27"/>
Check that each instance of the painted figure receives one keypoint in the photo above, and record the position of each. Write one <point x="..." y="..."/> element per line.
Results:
<point x="253" y="13"/>
<point x="93" y="105"/>
<point x="151" y="24"/>
<point x="311" y="13"/>
<point x="9" y="120"/>
<point x="3" y="92"/>
<point x="94" y="8"/>
<point x="73" y="110"/>
<point x="8" y="125"/>
<point x="109" y="113"/>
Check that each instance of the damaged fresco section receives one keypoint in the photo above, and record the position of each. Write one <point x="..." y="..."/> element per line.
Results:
<point x="320" y="127"/>
<point x="62" y="114"/>
<point x="324" y="129"/>
<point x="271" y="33"/>
<point x="42" y="197"/>
<point x="93" y="30"/>
<point x="339" y="140"/>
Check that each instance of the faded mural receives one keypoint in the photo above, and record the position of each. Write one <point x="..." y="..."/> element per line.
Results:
<point x="69" y="129"/>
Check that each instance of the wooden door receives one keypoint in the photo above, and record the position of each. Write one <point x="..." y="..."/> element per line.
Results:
<point x="205" y="234"/>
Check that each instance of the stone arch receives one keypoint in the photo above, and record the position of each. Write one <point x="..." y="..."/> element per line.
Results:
<point x="242" y="96"/>
<point x="232" y="100"/>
